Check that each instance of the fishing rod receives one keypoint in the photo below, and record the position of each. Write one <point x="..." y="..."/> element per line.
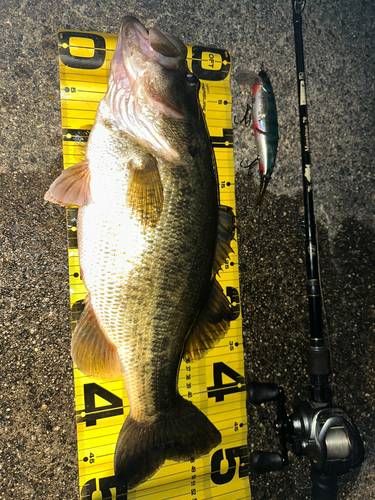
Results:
<point x="324" y="433"/>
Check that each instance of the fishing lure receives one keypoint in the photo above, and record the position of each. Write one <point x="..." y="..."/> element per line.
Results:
<point x="264" y="117"/>
<point x="265" y="130"/>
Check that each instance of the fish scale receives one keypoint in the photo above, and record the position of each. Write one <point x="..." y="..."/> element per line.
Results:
<point x="163" y="289"/>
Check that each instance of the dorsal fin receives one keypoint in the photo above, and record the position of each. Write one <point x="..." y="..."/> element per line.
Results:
<point x="213" y="321"/>
<point x="225" y="234"/>
<point x="211" y="325"/>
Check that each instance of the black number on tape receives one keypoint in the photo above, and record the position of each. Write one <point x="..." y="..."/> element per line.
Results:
<point x="234" y="296"/>
<point x="219" y="389"/>
<point x="212" y="72"/>
<point x="88" y="489"/>
<point x="105" y="486"/>
<point x="79" y="62"/>
<point x="229" y="455"/>
<point x="108" y="483"/>
<point x="93" y="413"/>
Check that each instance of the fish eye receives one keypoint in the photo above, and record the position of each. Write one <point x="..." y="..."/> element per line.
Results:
<point x="191" y="79"/>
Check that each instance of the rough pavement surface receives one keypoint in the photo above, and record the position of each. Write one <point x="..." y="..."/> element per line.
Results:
<point x="38" y="457"/>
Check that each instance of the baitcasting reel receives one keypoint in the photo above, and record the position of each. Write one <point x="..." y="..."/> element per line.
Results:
<point x="325" y="434"/>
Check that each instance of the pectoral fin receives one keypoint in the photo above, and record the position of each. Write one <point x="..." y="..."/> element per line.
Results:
<point x="92" y="351"/>
<point x="145" y="192"/>
<point x="72" y="187"/>
<point x="211" y="325"/>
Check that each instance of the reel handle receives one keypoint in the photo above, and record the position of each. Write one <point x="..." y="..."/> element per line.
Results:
<point x="259" y="392"/>
<point x="266" y="461"/>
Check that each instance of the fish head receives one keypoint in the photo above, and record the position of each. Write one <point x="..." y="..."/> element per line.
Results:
<point x="150" y="85"/>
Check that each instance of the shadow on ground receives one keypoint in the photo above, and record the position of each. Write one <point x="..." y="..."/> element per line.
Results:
<point x="276" y="329"/>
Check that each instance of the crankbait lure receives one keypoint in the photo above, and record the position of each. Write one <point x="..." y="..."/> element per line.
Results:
<point x="265" y="129"/>
<point x="264" y="117"/>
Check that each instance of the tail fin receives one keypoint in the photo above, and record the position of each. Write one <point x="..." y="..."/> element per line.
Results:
<point x="143" y="447"/>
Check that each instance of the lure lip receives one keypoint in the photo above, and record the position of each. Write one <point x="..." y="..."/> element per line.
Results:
<point x="264" y="77"/>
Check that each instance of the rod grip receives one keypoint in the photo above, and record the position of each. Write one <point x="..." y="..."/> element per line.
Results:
<point x="318" y="361"/>
<point x="324" y="485"/>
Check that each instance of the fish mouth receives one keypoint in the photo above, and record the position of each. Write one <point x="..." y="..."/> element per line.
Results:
<point x="153" y="44"/>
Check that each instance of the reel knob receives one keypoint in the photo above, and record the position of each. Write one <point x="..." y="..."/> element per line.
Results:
<point x="266" y="461"/>
<point x="262" y="393"/>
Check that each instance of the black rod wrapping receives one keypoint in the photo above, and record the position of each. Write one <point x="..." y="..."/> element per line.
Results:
<point x="312" y="264"/>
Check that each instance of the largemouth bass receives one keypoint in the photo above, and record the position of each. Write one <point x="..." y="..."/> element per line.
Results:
<point x="151" y="237"/>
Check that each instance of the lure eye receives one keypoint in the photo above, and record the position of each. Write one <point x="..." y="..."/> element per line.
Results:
<point x="191" y="79"/>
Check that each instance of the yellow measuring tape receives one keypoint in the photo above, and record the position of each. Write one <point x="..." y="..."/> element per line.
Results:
<point x="215" y="384"/>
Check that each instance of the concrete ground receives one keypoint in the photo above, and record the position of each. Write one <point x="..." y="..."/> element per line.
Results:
<point x="37" y="431"/>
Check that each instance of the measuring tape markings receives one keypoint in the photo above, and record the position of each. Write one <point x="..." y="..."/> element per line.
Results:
<point x="95" y="449"/>
<point x="178" y="481"/>
<point x="83" y="102"/>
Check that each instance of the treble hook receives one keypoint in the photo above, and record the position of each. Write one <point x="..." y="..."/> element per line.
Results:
<point x="246" y="118"/>
<point x="250" y="166"/>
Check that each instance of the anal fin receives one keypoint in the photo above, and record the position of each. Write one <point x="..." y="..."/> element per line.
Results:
<point x="92" y="352"/>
